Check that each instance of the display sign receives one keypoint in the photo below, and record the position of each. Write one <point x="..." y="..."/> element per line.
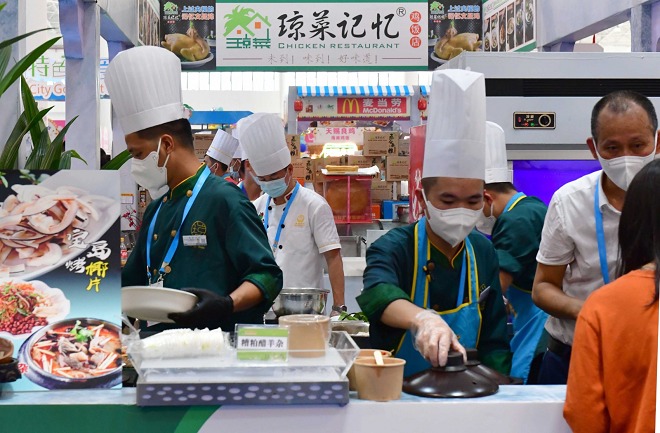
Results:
<point x="60" y="277"/>
<point x="334" y="134"/>
<point x="46" y="75"/>
<point x="509" y="25"/>
<point x="148" y="22"/>
<point x="188" y="30"/>
<point x="261" y="343"/>
<point x="354" y="107"/>
<point x="311" y="35"/>
<point x="454" y="27"/>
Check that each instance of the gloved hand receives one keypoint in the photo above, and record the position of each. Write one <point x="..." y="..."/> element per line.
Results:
<point x="211" y="311"/>
<point x="434" y="338"/>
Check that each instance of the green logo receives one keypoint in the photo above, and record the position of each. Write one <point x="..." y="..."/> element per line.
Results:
<point x="245" y="28"/>
<point x="437" y="8"/>
<point x="171" y="8"/>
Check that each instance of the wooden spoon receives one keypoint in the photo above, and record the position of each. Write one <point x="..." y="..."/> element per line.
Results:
<point x="6" y="350"/>
<point x="378" y="357"/>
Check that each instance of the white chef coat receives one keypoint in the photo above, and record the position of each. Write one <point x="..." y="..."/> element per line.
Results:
<point x="569" y="238"/>
<point x="309" y="231"/>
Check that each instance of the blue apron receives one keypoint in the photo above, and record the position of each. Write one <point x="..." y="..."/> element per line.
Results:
<point x="528" y="321"/>
<point x="464" y="320"/>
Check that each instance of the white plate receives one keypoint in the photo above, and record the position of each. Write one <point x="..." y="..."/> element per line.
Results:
<point x="155" y="303"/>
<point x="108" y="212"/>
<point x="196" y="64"/>
<point x="437" y="59"/>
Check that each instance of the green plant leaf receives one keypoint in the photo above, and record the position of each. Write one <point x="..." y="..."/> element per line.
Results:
<point x="22" y="65"/>
<point x="2" y="6"/>
<point x="116" y="162"/>
<point x="15" y="39"/>
<point x="55" y="150"/>
<point x="5" y="55"/>
<point x="65" y="160"/>
<point x="31" y="109"/>
<point x="9" y="155"/>
<point x="38" y="151"/>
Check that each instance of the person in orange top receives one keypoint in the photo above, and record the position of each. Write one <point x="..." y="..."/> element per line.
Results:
<point x="612" y="375"/>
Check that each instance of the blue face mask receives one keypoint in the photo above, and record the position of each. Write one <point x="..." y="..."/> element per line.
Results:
<point x="274" y="188"/>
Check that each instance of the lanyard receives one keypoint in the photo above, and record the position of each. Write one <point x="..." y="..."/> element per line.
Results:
<point x="242" y="185"/>
<point x="600" y="235"/>
<point x="175" y="241"/>
<point x="280" y="226"/>
<point x="513" y="201"/>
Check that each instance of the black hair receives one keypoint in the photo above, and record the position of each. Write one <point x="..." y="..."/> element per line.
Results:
<point x="639" y="226"/>
<point x="179" y="129"/>
<point x="501" y="187"/>
<point x="619" y="102"/>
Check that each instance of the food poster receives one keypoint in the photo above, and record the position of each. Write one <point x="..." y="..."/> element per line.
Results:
<point x="454" y="27"/>
<point x="188" y="30"/>
<point x="509" y="25"/>
<point x="60" y="301"/>
<point x="148" y="22"/>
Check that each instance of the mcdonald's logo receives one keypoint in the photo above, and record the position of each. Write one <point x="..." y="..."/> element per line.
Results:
<point x="349" y="105"/>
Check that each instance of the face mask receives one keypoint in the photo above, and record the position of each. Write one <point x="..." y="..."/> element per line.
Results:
<point x="214" y="168"/>
<point x="274" y="188"/>
<point x="486" y="223"/>
<point x="623" y="169"/>
<point x="452" y="225"/>
<point x="149" y="175"/>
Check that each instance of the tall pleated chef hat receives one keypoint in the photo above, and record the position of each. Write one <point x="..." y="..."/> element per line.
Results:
<point x="222" y="147"/>
<point x="235" y="133"/>
<point x="144" y="84"/>
<point x="497" y="169"/>
<point x="456" y="128"/>
<point x="263" y="141"/>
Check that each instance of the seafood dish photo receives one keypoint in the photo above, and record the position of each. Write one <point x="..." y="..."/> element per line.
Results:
<point x="41" y="227"/>
<point x="26" y="305"/>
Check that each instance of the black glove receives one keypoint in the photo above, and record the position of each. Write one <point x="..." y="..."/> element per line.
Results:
<point x="211" y="311"/>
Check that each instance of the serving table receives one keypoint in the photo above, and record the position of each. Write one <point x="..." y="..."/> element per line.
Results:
<point x="514" y="409"/>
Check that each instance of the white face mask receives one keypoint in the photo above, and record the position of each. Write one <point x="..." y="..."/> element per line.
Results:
<point x="486" y="223"/>
<point x="452" y="225"/>
<point x="623" y="169"/>
<point x="149" y="175"/>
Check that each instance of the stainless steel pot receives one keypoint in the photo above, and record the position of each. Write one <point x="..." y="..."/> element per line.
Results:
<point x="305" y="300"/>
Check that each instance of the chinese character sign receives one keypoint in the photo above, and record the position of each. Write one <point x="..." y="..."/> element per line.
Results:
<point x="324" y="36"/>
<point x="188" y="30"/>
<point x="60" y="280"/>
<point x="454" y="27"/>
<point x="509" y="25"/>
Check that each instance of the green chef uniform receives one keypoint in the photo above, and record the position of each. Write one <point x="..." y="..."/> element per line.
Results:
<point x="390" y="275"/>
<point x="222" y="243"/>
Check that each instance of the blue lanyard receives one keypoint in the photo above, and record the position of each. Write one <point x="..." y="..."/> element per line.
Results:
<point x="461" y="287"/>
<point x="600" y="235"/>
<point x="280" y="226"/>
<point x="243" y="188"/>
<point x="513" y="201"/>
<point x="175" y="241"/>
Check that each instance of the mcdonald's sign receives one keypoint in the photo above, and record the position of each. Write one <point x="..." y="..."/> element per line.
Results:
<point x="376" y="106"/>
<point x="349" y="105"/>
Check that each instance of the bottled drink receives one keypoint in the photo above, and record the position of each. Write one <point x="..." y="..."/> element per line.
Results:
<point x="123" y="251"/>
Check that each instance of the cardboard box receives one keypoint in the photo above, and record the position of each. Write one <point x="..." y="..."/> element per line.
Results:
<point x="320" y="163"/>
<point x="404" y="145"/>
<point x="380" y="143"/>
<point x="366" y="161"/>
<point x="381" y="190"/>
<point x="202" y="141"/>
<point x="397" y="168"/>
<point x="303" y="169"/>
<point x="293" y="141"/>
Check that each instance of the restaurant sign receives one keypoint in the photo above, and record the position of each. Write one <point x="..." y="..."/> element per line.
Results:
<point x="311" y="35"/>
<point x="352" y="107"/>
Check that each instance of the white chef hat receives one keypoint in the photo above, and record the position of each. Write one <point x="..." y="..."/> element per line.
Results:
<point x="145" y="86"/>
<point x="238" y="153"/>
<point x="456" y="128"/>
<point x="497" y="169"/>
<point x="263" y="141"/>
<point x="222" y="147"/>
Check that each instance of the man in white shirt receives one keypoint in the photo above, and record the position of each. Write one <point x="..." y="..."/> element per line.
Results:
<point x="299" y="222"/>
<point x="578" y="251"/>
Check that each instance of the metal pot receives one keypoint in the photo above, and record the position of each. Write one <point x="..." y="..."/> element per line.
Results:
<point x="300" y="301"/>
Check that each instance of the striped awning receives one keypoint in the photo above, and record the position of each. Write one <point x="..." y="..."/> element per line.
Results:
<point x="424" y="90"/>
<point x="355" y="90"/>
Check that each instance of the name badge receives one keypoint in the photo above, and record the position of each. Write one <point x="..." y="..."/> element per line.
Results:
<point x="194" y="241"/>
